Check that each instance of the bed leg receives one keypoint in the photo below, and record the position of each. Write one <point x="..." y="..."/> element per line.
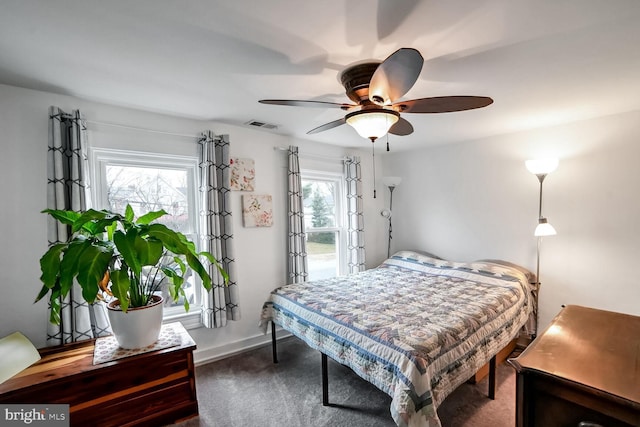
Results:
<point x="273" y="342"/>
<point x="325" y="381"/>
<point x="492" y="378"/>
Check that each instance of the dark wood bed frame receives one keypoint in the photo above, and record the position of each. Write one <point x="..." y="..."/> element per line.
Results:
<point x="491" y="368"/>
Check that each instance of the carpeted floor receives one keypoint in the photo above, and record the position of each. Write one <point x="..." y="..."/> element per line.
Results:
<point x="249" y="390"/>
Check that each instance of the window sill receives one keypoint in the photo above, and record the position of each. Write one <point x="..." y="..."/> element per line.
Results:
<point x="190" y="320"/>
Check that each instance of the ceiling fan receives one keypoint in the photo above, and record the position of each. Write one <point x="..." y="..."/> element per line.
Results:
<point x="375" y="88"/>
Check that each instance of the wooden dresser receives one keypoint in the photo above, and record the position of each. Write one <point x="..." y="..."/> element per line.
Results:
<point x="149" y="389"/>
<point x="584" y="368"/>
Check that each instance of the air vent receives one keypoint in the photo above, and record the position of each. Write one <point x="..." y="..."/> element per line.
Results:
<point x="259" y="124"/>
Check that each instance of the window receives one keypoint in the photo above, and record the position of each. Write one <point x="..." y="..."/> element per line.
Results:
<point x="323" y="220"/>
<point x="151" y="182"/>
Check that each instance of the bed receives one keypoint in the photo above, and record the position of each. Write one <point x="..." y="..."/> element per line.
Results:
<point x="416" y="326"/>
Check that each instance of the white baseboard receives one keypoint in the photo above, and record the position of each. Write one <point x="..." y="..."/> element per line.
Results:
<point x="202" y="356"/>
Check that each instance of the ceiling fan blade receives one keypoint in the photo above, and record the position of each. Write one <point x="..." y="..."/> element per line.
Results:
<point x="316" y="104"/>
<point x="327" y="126"/>
<point x="395" y="76"/>
<point x="401" y="128"/>
<point x="443" y="104"/>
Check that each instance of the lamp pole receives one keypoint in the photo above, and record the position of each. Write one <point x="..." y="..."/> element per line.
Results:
<point x="540" y="168"/>
<point x="391" y="188"/>
<point x="541" y="177"/>
<point x="391" y="182"/>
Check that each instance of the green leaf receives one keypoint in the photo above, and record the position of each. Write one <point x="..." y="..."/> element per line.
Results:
<point x="214" y="261"/>
<point x="199" y="269"/>
<point x="54" y="301"/>
<point x="178" y="244"/>
<point x="149" y="250"/>
<point x="172" y="240"/>
<point x="186" y="300"/>
<point x="50" y="265"/>
<point x="180" y="264"/>
<point x="151" y="216"/>
<point x="69" y="263"/>
<point x="92" y="265"/>
<point x="223" y="273"/>
<point x="176" y="280"/>
<point x="120" y="284"/>
<point x="88" y="216"/>
<point x="110" y="229"/>
<point x="126" y="246"/>
<point x="65" y="217"/>
<point x="44" y="291"/>
<point x="128" y="213"/>
<point x="191" y="245"/>
<point x="97" y="227"/>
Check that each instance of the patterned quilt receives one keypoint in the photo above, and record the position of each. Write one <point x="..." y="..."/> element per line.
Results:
<point x="416" y="327"/>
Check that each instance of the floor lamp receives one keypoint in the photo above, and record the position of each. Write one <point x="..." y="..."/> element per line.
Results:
<point x="540" y="168"/>
<point x="391" y="182"/>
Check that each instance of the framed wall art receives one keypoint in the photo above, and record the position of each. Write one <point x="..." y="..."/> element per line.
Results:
<point x="243" y="174"/>
<point x="257" y="210"/>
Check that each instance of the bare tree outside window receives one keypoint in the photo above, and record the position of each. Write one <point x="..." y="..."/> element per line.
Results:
<point x="150" y="189"/>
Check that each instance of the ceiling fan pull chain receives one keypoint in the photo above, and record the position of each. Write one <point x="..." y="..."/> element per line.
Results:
<point x="373" y="160"/>
<point x="387" y="142"/>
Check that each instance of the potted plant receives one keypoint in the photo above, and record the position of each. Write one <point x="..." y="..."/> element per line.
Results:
<point x="123" y="261"/>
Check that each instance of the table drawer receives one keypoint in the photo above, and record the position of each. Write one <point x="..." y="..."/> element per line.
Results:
<point x="150" y="408"/>
<point x="555" y="404"/>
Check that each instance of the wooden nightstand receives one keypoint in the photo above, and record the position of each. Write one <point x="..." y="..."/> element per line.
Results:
<point x="148" y="389"/>
<point x="585" y="367"/>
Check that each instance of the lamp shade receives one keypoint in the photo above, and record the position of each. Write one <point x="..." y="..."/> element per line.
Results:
<point x="544" y="229"/>
<point x="541" y="166"/>
<point x="372" y="124"/>
<point x="391" y="181"/>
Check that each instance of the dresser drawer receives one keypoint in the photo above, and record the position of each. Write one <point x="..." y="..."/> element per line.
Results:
<point x="554" y="403"/>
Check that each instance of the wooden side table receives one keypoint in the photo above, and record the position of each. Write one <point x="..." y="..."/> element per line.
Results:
<point x="584" y="368"/>
<point x="147" y="389"/>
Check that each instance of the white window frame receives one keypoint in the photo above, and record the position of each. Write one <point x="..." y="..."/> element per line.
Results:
<point x="341" y="215"/>
<point x="101" y="157"/>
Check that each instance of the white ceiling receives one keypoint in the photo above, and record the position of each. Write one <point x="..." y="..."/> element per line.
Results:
<point x="544" y="62"/>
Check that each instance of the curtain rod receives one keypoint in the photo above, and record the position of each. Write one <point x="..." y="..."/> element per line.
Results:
<point x="139" y="129"/>
<point x="315" y="156"/>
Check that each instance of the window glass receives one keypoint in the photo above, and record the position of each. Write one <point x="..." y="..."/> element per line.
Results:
<point x="322" y="255"/>
<point x="323" y="224"/>
<point x="152" y="182"/>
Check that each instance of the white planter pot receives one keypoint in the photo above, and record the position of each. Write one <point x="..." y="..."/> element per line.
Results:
<point x="139" y="327"/>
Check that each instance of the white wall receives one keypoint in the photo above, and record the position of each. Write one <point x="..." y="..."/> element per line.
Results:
<point x="260" y="253"/>
<point x="477" y="200"/>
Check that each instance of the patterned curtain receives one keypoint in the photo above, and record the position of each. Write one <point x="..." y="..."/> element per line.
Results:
<point x="355" y="218"/>
<point x="296" y="245"/>
<point x="67" y="188"/>
<point x="221" y="304"/>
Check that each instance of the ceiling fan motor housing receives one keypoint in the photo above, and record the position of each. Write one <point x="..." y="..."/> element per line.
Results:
<point x="356" y="79"/>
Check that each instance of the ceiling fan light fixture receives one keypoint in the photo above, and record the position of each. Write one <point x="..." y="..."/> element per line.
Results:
<point x="372" y="124"/>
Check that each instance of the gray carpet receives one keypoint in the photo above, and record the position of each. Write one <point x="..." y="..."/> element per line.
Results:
<point x="248" y="390"/>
